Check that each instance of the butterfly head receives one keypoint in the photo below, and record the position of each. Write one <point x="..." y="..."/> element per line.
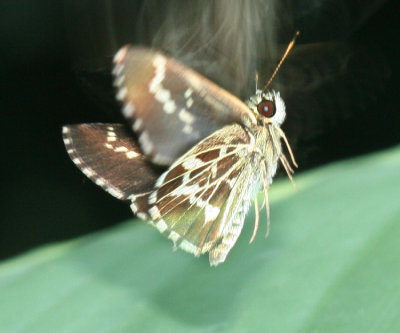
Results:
<point x="268" y="106"/>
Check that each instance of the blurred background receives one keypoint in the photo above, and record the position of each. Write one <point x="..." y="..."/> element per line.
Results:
<point x="339" y="85"/>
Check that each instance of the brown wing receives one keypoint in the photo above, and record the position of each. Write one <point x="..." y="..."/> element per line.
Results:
<point x="198" y="201"/>
<point x="170" y="106"/>
<point x="109" y="156"/>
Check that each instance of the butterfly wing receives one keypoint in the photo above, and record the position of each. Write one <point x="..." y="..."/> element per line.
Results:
<point x="200" y="202"/>
<point x="108" y="155"/>
<point x="170" y="106"/>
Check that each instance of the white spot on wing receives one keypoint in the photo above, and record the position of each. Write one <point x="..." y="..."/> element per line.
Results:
<point x="119" y="80"/>
<point x="88" y="172"/>
<point x="153" y="198"/>
<point x="211" y="213"/>
<point x="121" y="149"/>
<point x="222" y="151"/>
<point x="185" y="190"/>
<point x="100" y="182"/>
<point x="169" y="107"/>
<point x="132" y="198"/>
<point x="186" y="178"/>
<point x="174" y="236"/>
<point x="134" y="208"/>
<point x="187" y="129"/>
<point x="128" y="110"/>
<point x="198" y="201"/>
<point x="186" y="116"/>
<point x="132" y="154"/>
<point x="121" y="94"/>
<point x="154" y="84"/>
<point x="214" y="170"/>
<point x="230" y="182"/>
<point x="162" y="95"/>
<point x="189" y="102"/>
<point x="120" y="55"/>
<point x="161" y="226"/>
<point x="159" y="64"/>
<point x="138" y="124"/>
<point x="159" y="61"/>
<point x="117" y="70"/>
<point x="189" y="247"/>
<point x="114" y="192"/>
<point x="144" y="139"/>
<point x="161" y="179"/>
<point x="188" y="92"/>
<point x="142" y="215"/>
<point x="192" y="162"/>
<point x="154" y="213"/>
<point x="65" y="130"/>
<point x="160" y="159"/>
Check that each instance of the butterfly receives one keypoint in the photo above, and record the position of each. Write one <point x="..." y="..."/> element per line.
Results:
<point x="217" y="150"/>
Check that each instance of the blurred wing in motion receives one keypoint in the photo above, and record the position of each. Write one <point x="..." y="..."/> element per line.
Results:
<point x="170" y="106"/>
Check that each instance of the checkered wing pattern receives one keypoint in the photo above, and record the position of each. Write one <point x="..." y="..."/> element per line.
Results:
<point x="201" y="200"/>
<point x="108" y="155"/>
<point x="170" y="106"/>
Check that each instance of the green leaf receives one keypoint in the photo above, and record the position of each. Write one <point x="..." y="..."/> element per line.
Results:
<point x="330" y="264"/>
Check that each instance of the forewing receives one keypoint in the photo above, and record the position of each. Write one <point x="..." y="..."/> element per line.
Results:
<point x="109" y="156"/>
<point x="191" y="200"/>
<point x="170" y="106"/>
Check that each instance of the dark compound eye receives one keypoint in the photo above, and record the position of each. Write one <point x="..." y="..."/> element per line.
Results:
<point x="266" y="108"/>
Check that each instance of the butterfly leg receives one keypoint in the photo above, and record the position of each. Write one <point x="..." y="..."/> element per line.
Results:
<point x="266" y="197"/>
<point x="256" y="219"/>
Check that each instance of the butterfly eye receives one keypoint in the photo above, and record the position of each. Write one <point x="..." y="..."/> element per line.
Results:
<point x="266" y="108"/>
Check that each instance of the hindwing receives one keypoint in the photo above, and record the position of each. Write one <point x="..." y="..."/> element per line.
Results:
<point x="109" y="156"/>
<point x="201" y="200"/>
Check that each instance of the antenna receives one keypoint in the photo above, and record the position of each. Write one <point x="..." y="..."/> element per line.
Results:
<point x="256" y="79"/>
<point x="288" y="49"/>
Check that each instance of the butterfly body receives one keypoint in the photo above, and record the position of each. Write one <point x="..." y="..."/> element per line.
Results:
<point x="219" y="151"/>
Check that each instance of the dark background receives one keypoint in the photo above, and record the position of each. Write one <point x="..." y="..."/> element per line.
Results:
<point x="45" y="198"/>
